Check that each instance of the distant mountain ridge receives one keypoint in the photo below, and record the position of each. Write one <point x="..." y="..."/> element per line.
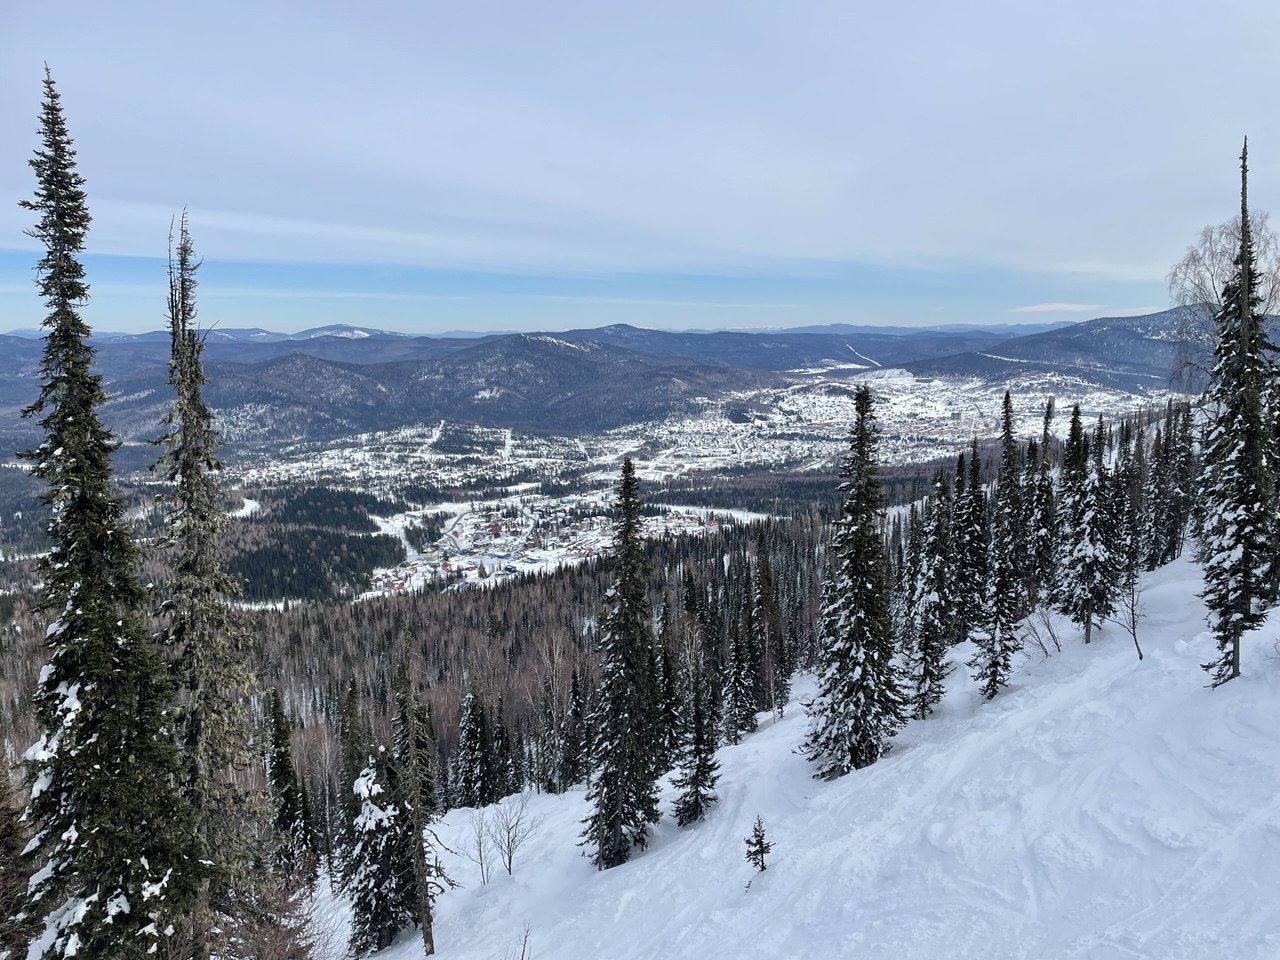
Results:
<point x="1132" y="353"/>
<point x="331" y="381"/>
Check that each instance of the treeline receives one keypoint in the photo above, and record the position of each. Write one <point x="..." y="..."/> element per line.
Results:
<point x="978" y="557"/>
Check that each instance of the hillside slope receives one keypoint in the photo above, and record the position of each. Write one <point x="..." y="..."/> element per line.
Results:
<point x="1100" y="808"/>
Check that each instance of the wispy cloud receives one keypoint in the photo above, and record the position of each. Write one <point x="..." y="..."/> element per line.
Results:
<point x="570" y="144"/>
<point x="1058" y="308"/>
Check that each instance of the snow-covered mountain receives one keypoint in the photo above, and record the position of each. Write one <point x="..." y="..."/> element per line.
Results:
<point x="1102" y="808"/>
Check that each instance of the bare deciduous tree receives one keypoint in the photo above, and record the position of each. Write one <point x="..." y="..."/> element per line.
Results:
<point x="1197" y="280"/>
<point x="1130" y="610"/>
<point x="480" y="850"/>
<point x="510" y="825"/>
<point x="1040" y="631"/>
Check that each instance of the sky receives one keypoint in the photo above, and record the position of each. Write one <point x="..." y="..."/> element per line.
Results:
<point x="426" y="167"/>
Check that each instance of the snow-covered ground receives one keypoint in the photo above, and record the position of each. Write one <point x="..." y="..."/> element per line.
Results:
<point x="803" y="425"/>
<point x="1101" y="808"/>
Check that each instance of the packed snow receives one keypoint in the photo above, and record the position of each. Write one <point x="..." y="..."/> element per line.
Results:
<point x="1101" y="807"/>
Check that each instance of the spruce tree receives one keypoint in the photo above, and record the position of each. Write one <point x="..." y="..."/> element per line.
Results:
<point x="546" y="769"/>
<point x="776" y="663"/>
<point x="355" y="742"/>
<point x="502" y="773"/>
<point x="471" y="772"/>
<point x="738" y="702"/>
<point x="115" y="865"/>
<point x="859" y="704"/>
<point x="383" y="887"/>
<point x="971" y="539"/>
<point x="904" y="603"/>
<point x="669" y="700"/>
<point x="575" y="737"/>
<point x="413" y="755"/>
<point x="932" y="595"/>
<point x="1042" y="516"/>
<point x="757" y="846"/>
<point x="699" y="768"/>
<point x="999" y="640"/>
<point x="209" y="637"/>
<point x="622" y="791"/>
<point x="294" y="853"/>
<point x="1238" y="487"/>
<point x="1090" y="578"/>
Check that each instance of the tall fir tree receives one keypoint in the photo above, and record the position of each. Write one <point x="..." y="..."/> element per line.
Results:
<point x="774" y="654"/>
<point x="355" y="742"/>
<point x="971" y="539"/>
<point x="502" y="770"/>
<point x="414" y="757"/>
<point x="575" y="736"/>
<point x="1042" y="515"/>
<point x="383" y="887"/>
<point x="1238" y="486"/>
<point x="738" y="706"/>
<point x="669" y="699"/>
<point x="859" y="705"/>
<point x="699" y="768"/>
<point x="209" y="638"/>
<point x="294" y="852"/>
<point x="932" y="602"/>
<point x="113" y="831"/>
<point x="547" y="743"/>
<point x="904" y="601"/>
<point x="471" y="767"/>
<point x="1089" y="579"/>
<point x="622" y="791"/>
<point x="1006" y="601"/>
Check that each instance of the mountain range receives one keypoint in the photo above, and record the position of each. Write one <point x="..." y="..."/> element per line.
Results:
<point x="337" y="380"/>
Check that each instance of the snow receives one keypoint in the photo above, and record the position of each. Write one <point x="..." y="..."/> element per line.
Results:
<point x="1101" y="807"/>
<point x="250" y="506"/>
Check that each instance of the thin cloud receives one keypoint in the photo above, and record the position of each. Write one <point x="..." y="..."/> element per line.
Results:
<point x="1058" y="308"/>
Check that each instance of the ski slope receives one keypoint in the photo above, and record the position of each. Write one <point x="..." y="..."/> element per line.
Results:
<point x="1100" y="808"/>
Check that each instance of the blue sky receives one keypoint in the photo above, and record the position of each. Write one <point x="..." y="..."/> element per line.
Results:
<point x="500" y="165"/>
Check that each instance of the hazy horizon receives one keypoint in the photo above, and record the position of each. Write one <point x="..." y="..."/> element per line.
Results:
<point x="744" y="165"/>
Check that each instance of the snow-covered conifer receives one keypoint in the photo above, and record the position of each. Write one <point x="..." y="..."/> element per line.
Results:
<point x="471" y="773"/>
<point x="208" y="636"/>
<point x="738" y="705"/>
<point x="575" y="737"/>
<point x="414" y="761"/>
<point x="112" y="854"/>
<point x="971" y="536"/>
<point x="383" y="887"/>
<point x="1238" y="488"/>
<point x="930" y="613"/>
<point x="1089" y="581"/>
<point x="296" y="853"/>
<point x="699" y="768"/>
<point x="859" y="705"/>
<point x="758" y="847"/>
<point x="998" y="639"/>
<point x="1042" y="515"/>
<point x="622" y="791"/>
